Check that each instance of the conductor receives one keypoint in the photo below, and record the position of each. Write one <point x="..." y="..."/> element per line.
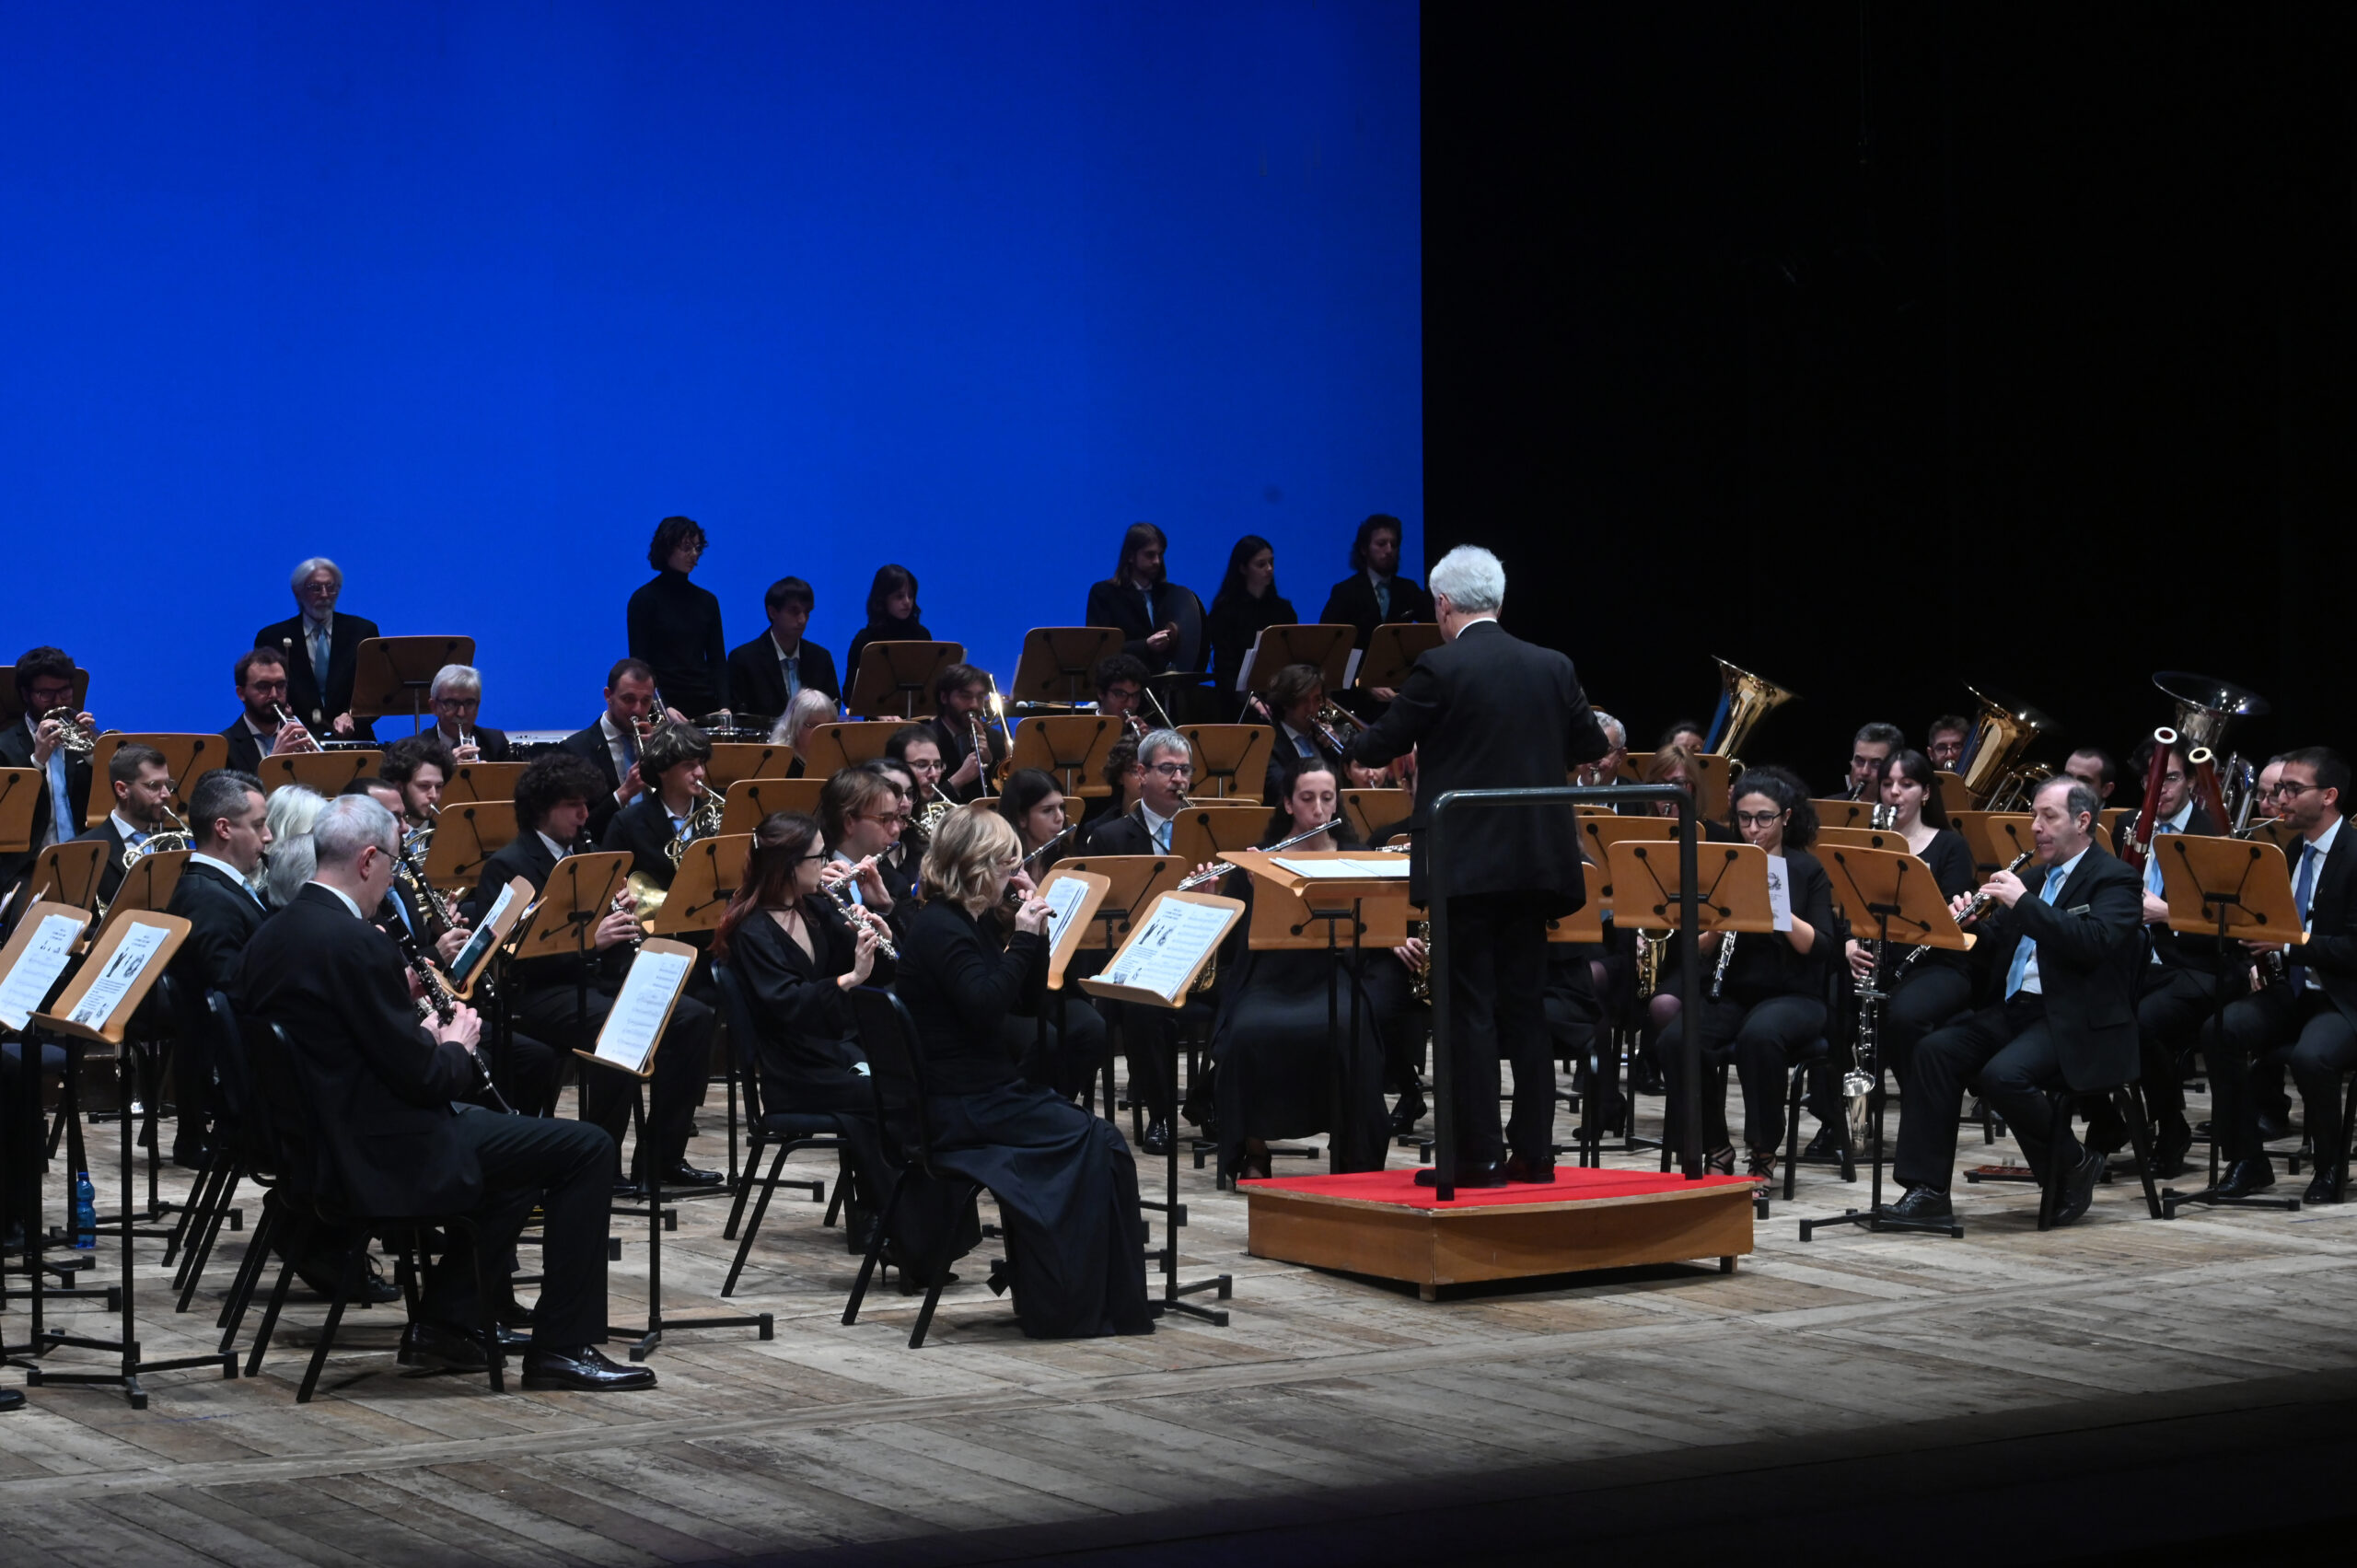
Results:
<point x="1486" y="710"/>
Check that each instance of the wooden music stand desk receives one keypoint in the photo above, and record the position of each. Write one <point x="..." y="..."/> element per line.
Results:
<point x="1328" y="647"/>
<point x="829" y="748"/>
<point x="578" y="894"/>
<point x="1954" y="793"/>
<point x="394" y="675"/>
<point x="736" y="760"/>
<point x="1392" y="651"/>
<point x="481" y="780"/>
<point x="895" y="680"/>
<point x="145" y="887"/>
<point x="1858" y="838"/>
<point x="1066" y="939"/>
<point x="485" y="941"/>
<point x="1132" y="881"/>
<point x="1839" y="813"/>
<point x="1370" y="810"/>
<point x="1598" y="834"/>
<point x="12" y="707"/>
<point x="186" y="757"/>
<point x="1201" y="833"/>
<point x="1291" y="910"/>
<point x="465" y="838"/>
<point x="749" y="801"/>
<point x="1711" y="797"/>
<point x="68" y="873"/>
<point x="1073" y="747"/>
<point x="1232" y="757"/>
<point x="28" y="927"/>
<point x="1731" y="886"/>
<point x="1057" y="665"/>
<point x="20" y="793"/>
<point x="326" y="772"/>
<point x="1994" y="838"/>
<point x="1584" y="923"/>
<point x="710" y="873"/>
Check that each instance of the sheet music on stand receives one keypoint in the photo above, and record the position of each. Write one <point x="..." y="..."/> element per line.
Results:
<point x="140" y="943"/>
<point x="1164" y="954"/>
<point x="1367" y="868"/>
<point x="38" y="954"/>
<point x="644" y="1006"/>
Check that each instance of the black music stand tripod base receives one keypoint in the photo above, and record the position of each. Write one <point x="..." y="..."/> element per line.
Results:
<point x="1174" y="1219"/>
<point x="644" y="1343"/>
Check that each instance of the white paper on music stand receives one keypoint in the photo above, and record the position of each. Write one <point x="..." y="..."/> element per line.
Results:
<point x="1780" y="893"/>
<point x="27" y="986"/>
<point x="477" y="945"/>
<point x="637" y="1017"/>
<point x="1167" y="949"/>
<point x="1244" y="675"/>
<point x="1064" y="896"/>
<point x="139" y="944"/>
<point x="1386" y="869"/>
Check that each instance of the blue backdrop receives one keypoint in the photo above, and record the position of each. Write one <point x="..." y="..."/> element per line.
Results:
<point x="468" y="296"/>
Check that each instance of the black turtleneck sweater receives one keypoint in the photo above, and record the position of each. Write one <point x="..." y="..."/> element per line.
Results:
<point x="675" y="627"/>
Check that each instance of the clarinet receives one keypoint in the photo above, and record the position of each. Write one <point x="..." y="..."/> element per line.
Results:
<point x="1726" y="955"/>
<point x="856" y="915"/>
<point x="438" y="1003"/>
<point x="1973" y="911"/>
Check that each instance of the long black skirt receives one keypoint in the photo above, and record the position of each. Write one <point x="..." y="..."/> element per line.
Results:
<point x="1067" y="1191"/>
<point x="1276" y="1062"/>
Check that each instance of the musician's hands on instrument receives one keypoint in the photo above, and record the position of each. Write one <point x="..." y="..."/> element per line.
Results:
<point x="50" y="734"/>
<point x="2156" y="910"/>
<point x="871" y="888"/>
<point x="2005" y="887"/>
<point x="465" y="1028"/>
<point x="449" y="945"/>
<point x="1382" y="693"/>
<point x="1861" y="962"/>
<point x="292" y="739"/>
<point x="1414" y="954"/>
<point x="1033" y="914"/>
<point x="675" y="715"/>
<point x="1022" y="883"/>
<point x="968" y="771"/>
<point x="619" y="927"/>
<point x="632" y="783"/>
<point x="466" y="751"/>
<point x="863" y="955"/>
<point x="1161" y="641"/>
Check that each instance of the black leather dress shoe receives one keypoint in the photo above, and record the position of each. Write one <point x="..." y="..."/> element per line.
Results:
<point x="2244" y="1177"/>
<point x="685" y="1175"/>
<point x="1825" y="1146"/>
<point x="374" y="1289"/>
<point x="192" y="1153"/>
<point x="2079" y="1187"/>
<point x="1491" y="1174"/>
<point x="2323" y="1189"/>
<point x="1410" y="1109"/>
<point x="1538" y="1173"/>
<point x="2170" y="1145"/>
<point x="1920" y="1204"/>
<point x="1157" y="1137"/>
<point x="427" y="1343"/>
<point x="584" y="1367"/>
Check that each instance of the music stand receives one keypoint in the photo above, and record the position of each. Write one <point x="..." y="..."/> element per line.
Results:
<point x="1058" y="664"/>
<point x="1887" y="895"/>
<point x="97" y="1006"/>
<point x="1994" y="838"/>
<point x="710" y="872"/>
<point x="20" y="793"/>
<point x="1234" y="757"/>
<point x="1839" y="812"/>
<point x="1328" y="647"/>
<point x="325" y="773"/>
<point x="1392" y="651"/>
<point x="751" y="801"/>
<point x="481" y="780"/>
<point x="186" y="757"/>
<point x="1369" y="809"/>
<point x="1201" y="833"/>
<point x="829" y="748"/>
<point x="498" y="924"/>
<point x="1860" y="838"/>
<point x="395" y="675"/>
<point x="1073" y="747"/>
<point x="1954" y="793"/>
<point x="1708" y="784"/>
<point x="2228" y="889"/>
<point x="465" y="838"/>
<point x="895" y="680"/>
<point x="146" y="885"/>
<point x="732" y="761"/>
<point x="69" y="873"/>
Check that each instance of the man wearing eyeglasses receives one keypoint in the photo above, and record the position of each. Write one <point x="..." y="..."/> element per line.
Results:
<point x="2306" y="1018"/>
<point x="1166" y="772"/>
<point x="44" y="684"/>
<point x="457" y="700"/>
<point x="861" y="812"/>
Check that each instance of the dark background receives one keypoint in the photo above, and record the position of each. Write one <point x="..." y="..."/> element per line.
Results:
<point x="1884" y="348"/>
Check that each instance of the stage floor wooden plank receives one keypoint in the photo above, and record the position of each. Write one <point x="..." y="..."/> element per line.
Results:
<point x="828" y="1436"/>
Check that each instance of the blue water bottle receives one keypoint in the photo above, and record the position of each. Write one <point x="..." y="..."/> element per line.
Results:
<point x="85" y="1212"/>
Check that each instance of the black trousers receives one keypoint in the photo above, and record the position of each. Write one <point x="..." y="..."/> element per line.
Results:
<point x="566" y="1167"/>
<point x="1928" y="999"/>
<point x="2302" y="1029"/>
<point x="2010" y="1050"/>
<point x="1761" y="1038"/>
<point x="1065" y="1057"/>
<point x="682" y="1068"/>
<point x="527" y="1073"/>
<point x="1497" y="978"/>
<point x="1149" y="1035"/>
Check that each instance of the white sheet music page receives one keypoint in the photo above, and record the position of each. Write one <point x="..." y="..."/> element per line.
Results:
<point x="632" y="1028"/>
<point x="1165" y="951"/>
<point x="138" y="946"/>
<point x="27" y="986"/>
<point x="1379" y="869"/>
<point x="1780" y="893"/>
<point x="479" y="945"/>
<point x="1063" y="898"/>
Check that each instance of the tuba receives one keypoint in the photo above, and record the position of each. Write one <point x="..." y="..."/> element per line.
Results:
<point x="1744" y="699"/>
<point x="2205" y="707"/>
<point x="1992" y="767"/>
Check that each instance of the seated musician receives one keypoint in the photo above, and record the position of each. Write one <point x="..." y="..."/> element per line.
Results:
<point x="44" y="678"/>
<point x="861" y="811"/>
<point x="288" y="866"/>
<point x="141" y="784"/>
<point x="321" y="652"/>
<point x="809" y="707"/>
<point x="767" y="674"/>
<point x="1676" y="765"/>
<point x="1933" y="987"/>
<point x="612" y="744"/>
<point x="1683" y="734"/>
<point x="2092" y="766"/>
<point x="227" y="820"/>
<point x="1034" y="807"/>
<point x="962" y="692"/>
<point x="1033" y="804"/>
<point x="1065" y="1180"/>
<point x="1870" y="750"/>
<point x="420" y="767"/>
<point x="261" y="731"/>
<point x="1139" y="599"/>
<point x="899" y="865"/>
<point x="1375" y="594"/>
<point x="2062" y="963"/>
<point x="672" y="763"/>
<point x="563" y="999"/>
<point x="1247" y="604"/>
<point x="1945" y="741"/>
<point x="1275" y="1069"/>
<point x="386" y="1083"/>
<point x="456" y="697"/>
<point x="893" y="615"/>
<point x="1765" y="1003"/>
<point x="1124" y="780"/>
<point x="408" y="915"/>
<point x="1605" y="770"/>
<point x="796" y="952"/>
<point x="1121" y="692"/>
<point x="2305" y="1016"/>
<point x="675" y="625"/>
<point x="1291" y="705"/>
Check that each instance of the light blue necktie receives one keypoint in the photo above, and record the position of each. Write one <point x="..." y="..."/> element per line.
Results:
<point x="1302" y="743"/>
<point x="60" y="800"/>
<point x="2302" y="888"/>
<point x="2153" y="862"/>
<point x="2027" y="945"/>
<point x="792" y="664"/>
<point x="1162" y="837"/>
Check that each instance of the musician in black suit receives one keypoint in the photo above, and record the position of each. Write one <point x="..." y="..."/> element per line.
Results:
<point x="673" y="765"/>
<point x="1375" y="594"/>
<point x="456" y="697"/>
<point x="419" y="766"/>
<point x="261" y="684"/>
<point x="675" y="625"/>
<point x="765" y="674"/>
<point x="322" y="651"/>
<point x="563" y="1000"/>
<point x="226" y="816"/>
<point x="862" y="810"/>
<point x="1293" y="701"/>
<point x="2307" y="1017"/>
<point x="961" y="693"/>
<point x="44" y="678"/>
<point x="1487" y="710"/>
<point x="384" y="1085"/>
<point x="142" y="782"/>
<point x="2063" y="963"/>
<point x="1140" y="599"/>
<point x="612" y="744"/>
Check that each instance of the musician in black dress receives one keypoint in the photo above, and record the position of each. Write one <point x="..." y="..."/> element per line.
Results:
<point x="1247" y="604"/>
<point x="1765" y="1003"/>
<point x="1932" y="988"/>
<point x="675" y="625"/>
<point x="1066" y="1182"/>
<point x="892" y="616"/>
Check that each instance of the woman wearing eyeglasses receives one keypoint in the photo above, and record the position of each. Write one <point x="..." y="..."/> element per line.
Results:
<point x="1769" y="997"/>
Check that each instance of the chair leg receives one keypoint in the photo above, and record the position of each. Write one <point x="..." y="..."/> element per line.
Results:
<point x="744" y="1187"/>
<point x="2129" y="1098"/>
<point x="201" y="1253"/>
<point x="2049" y="1186"/>
<point x="874" y="1251"/>
<point x="345" y="1278"/>
<point x="200" y="1200"/>
<point x="246" y="1280"/>
<point x="277" y="1302"/>
<point x="760" y="1208"/>
<point x="2348" y="1138"/>
<point x="1792" y="1128"/>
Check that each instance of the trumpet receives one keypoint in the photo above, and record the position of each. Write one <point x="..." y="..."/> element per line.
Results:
<point x="1220" y="869"/>
<point x="287" y="721"/>
<point x="77" y="742"/>
<point x="858" y="914"/>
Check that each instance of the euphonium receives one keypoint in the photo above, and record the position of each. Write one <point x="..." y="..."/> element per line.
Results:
<point x="1992" y="767"/>
<point x="1744" y="699"/>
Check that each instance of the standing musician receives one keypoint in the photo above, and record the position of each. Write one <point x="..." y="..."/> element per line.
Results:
<point x="861" y="811"/>
<point x="225" y="815"/>
<point x="1937" y="984"/>
<point x="419" y="767"/>
<point x="44" y="678"/>
<point x="673" y="765"/>
<point x="1945" y="741"/>
<point x="1121" y="692"/>
<point x="385" y="1085"/>
<point x="675" y="625"/>
<point x="142" y="782"/>
<point x="2308" y="1017"/>
<point x="1487" y="710"/>
<point x="456" y="698"/>
<point x="1247" y="604"/>
<point x="1763" y="1003"/>
<point x="2092" y="766"/>
<point x="963" y="694"/>
<point x="565" y="999"/>
<point x="1295" y="697"/>
<point x="1375" y="594"/>
<point x="262" y="680"/>
<point x="2063" y="959"/>
<point x="1141" y="601"/>
<point x="893" y="615"/>
<point x="612" y="744"/>
<point x="321" y="650"/>
<point x="766" y="674"/>
<point x="1870" y="749"/>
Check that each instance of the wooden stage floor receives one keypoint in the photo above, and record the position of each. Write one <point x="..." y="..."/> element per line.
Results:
<point x="1328" y="1403"/>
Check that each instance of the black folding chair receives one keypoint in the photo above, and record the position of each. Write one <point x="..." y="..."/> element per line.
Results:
<point x="786" y="1131"/>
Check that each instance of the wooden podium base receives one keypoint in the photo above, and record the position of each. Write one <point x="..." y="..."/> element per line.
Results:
<point x="1380" y="1223"/>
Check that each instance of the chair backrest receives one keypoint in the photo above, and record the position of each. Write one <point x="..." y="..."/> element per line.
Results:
<point x="890" y="1037"/>
<point x="280" y="1103"/>
<point x="742" y="1048"/>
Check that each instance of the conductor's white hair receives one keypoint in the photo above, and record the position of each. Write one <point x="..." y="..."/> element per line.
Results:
<point x="462" y="679"/>
<point x="317" y="562"/>
<point x="1158" y="741"/>
<point x="1474" y="580"/>
<point x="349" y="824"/>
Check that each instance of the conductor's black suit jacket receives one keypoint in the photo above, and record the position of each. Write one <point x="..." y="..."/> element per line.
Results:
<point x="383" y="1086"/>
<point x="1490" y="710"/>
<point x="17" y="751"/>
<point x="305" y="700"/>
<point x="2090" y="942"/>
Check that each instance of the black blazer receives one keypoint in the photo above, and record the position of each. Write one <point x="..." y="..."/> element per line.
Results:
<point x="1491" y="712"/>
<point x="222" y="919"/>
<point x="804" y="1024"/>
<point x="110" y="866"/>
<point x="17" y="751"/>
<point x="591" y="745"/>
<point x="955" y="744"/>
<point x="305" y="700"/>
<point x="1124" y="834"/>
<point x="757" y="685"/>
<point x="2331" y="952"/>
<point x="382" y="1084"/>
<point x="493" y="744"/>
<point x="526" y="856"/>
<point x="642" y="827"/>
<point x="959" y="982"/>
<point x="1284" y="760"/>
<point x="1116" y="604"/>
<point x="1352" y="601"/>
<point x="2090" y="942"/>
